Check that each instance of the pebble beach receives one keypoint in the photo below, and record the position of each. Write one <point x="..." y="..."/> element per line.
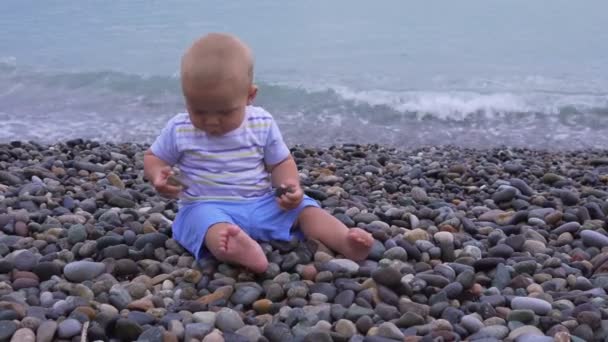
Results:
<point x="497" y="244"/>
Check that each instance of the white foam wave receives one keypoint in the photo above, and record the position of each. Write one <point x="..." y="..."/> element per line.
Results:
<point x="460" y="105"/>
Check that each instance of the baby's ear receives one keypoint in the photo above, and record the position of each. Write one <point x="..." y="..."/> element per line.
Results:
<point x="253" y="91"/>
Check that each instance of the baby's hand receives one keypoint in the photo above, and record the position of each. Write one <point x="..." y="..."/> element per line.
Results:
<point x="166" y="183"/>
<point x="289" y="196"/>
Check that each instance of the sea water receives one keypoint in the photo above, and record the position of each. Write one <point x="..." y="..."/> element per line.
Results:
<point x="472" y="73"/>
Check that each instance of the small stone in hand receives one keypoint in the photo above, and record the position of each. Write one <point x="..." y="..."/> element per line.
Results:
<point x="280" y="191"/>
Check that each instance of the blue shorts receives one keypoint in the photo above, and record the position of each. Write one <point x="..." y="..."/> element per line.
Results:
<point x="262" y="219"/>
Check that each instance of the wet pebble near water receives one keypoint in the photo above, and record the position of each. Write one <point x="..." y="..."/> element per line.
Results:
<point x="484" y="245"/>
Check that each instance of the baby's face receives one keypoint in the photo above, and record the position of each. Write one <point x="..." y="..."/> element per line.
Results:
<point x="219" y="109"/>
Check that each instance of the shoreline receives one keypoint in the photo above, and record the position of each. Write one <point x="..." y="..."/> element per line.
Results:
<point x="498" y="243"/>
<point x="410" y="148"/>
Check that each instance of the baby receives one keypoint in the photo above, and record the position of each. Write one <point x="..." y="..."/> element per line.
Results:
<point x="231" y="155"/>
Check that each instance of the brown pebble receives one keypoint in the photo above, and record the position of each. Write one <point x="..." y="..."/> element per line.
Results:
<point x="309" y="272"/>
<point x="24" y="335"/>
<point x="442" y="335"/>
<point x="143" y="304"/>
<point x="23" y="283"/>
<point x="562" y="336"/>
<point x="262" y="306"/>
<point x="214" y="336"/>
<point x="58" y="171"/>
<point x="21" y="228"/>
<point x="502" y="312"/>
<point x="223" y="292"/>
<point x="144" y="279"/>
<point x="18" y="308"/>
<point x="160" y="278"/>
<point x="115" y="180"/>
<point x="262" y="320"/>
<point x="25" y="274"/>
<point x="169" y="337"/>
<point x="90" y="312"/>
<point x="149" y="228"/>
<point x="476" y="290"/>
<point x="412" y="339"/>
<point x="192" y="276"/>
<point x="449" y="228"/>
<point x="554" y="218"/>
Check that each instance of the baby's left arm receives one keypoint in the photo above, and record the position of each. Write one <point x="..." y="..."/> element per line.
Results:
<point x="285" y="175"/>
<point x="284" y="172"/>
<point x="282" y="168"/>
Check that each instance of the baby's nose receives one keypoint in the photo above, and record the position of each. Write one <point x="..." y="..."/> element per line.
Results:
<point x="212" y="120"/>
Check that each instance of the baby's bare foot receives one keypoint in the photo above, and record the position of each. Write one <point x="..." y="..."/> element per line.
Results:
<point x="358" y="244"/>
<point x="237" y="247"/>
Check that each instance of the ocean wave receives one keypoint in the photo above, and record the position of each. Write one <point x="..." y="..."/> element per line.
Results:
<point x="456" y="105"/>
<point x="445" y="104"/>
<point x="115" y="106"/>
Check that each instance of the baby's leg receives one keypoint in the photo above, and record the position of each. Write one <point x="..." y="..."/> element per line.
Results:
<point x="353" y="243"/>
<point x="228" y="243"/>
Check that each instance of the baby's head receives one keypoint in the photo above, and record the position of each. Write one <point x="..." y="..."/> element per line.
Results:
<point x="217" y="82"/>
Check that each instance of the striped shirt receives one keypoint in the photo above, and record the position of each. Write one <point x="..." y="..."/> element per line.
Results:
<point x="231" y="167"/>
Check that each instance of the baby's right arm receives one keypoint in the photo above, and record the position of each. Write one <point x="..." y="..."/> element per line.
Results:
<point x="160" y="174"/>
<point x="161" y="156"/>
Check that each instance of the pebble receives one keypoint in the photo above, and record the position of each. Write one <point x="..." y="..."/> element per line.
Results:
<point x="594" y="239"/>
<point x="214" y="336"/>
<point x="7" y="329"/>
<point x="252" y="333"/>
<point x="521" y="315"/>
<point x="320" y="336"/>
<point x="154" y="334"/>
<point x="347" y="265"/>
<point x="207" y="317"/>
<point x="24" y="335"/>
<point x="69" y="328"/>
<point x="460" y="252"/>
<point x="396" y="253"/>
<point x="390" y="330"/>
<point x="416" y="235"/>
<point x="177" y="328"/>
<point x="79" y="271"/>
<point x="345" y="298"/>
<point x="534" y="247"/>
<point x="278" y="332"/>
<point x="246" y="295"/>
<point x="25" y="261"/>
<point x="471" y="323"/>
<point x="387" y="276"/>
<point x="155" y="239"/>
<point x="126" y="329"/>
<point x="584" y="332"/>
<point x="365" y="218"/>
<point x="525" y="330"/>
<point x="346" y="328"/>
<point x="434" y="280"/>
<point x="534" y="338"/>
<point x="125" y="268"/>
<point x="141" y="318"/>
<point x="504" y="195"/>
<point x="77" y="233"/>
<point x="539" y="306"/>
<point x="501" y="251"/>
<point x="229" y="320"/>
<point x="522" y="186"/>
<point x="473" y="251"/>
<point x="497" y="331"/>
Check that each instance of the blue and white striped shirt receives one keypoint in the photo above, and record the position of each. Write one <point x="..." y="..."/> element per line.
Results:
<point x="231" y="167"/>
